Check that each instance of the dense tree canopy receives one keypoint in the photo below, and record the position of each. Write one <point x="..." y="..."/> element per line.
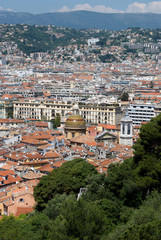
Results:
<point x="144" y="223"/>
<point x="147" y="156"/>
<point x="67" y="179"/>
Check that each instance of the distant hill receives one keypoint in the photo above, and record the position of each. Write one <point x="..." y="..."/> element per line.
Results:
<point x="84" y="19"/>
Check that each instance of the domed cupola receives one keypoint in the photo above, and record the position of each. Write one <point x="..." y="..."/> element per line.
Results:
<point x="75" y="125"/>
<point x="126" y="136"/>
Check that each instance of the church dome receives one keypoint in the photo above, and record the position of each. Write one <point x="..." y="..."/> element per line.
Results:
<point x="75" y="107"/>
<point x="126" y="118"/>
<point x="75" y="122"/>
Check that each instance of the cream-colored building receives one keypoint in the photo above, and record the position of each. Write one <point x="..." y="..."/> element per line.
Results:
<point x="48" y="109"/>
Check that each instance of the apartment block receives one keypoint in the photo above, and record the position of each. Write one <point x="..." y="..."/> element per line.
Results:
<point x="47" y="110"/>
<point x="141" y="113"/>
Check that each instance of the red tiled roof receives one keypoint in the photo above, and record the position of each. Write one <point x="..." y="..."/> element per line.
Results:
<point x="92" y="128"/>
<point x="59" y="138"/>
<point x="23" y="210"/>
<point x="56" y="132"/>
<point x="33" y="155"/>
<point x="2" y="160"/>
<point x="32" y="175"/>
<point x="46" y="168"/>
<point x="41" y="124"/>
<point x="52" y="138"/>
<point x="105" y="163"/>
<point x="52" y="155"/>
<point x="16" y="156"/>
<point x="34" y="163"/>
<point x="86" y="139"/>
<point x="6" y="167"/>
<point x="33" y="141"/>
<point x="3" y="152"/>
<point x="90" y="153"/>
<point x="58" y="163"/>
<point x="78" y="148"/>
<point x="7" y="120"/>
<point x="107" y="126"/>
<point x="11" y="177"/>
<point x="19" y="145"/>
<point x="2" y="194"/>
<point x="8" y="203"/>
<point x="5" y="173"/>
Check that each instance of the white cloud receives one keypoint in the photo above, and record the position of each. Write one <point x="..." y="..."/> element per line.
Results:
<point x="88" y="7"/>
<point x="64" y="9"/>
<point x="136" y="7"/>
<point x="153" y="7"/>
<point x="97" y="8"/>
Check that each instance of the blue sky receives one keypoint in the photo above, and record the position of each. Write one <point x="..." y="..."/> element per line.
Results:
<point x="106" y="6"/>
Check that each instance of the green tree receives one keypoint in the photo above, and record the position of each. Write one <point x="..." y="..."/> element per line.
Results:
<point x="54" y="207"/>
<point x="35" y="226"/>
<point x="121" y="183"/>
<point x="69" y="178"/>
<point x="56" y="121"/>
<point x="147" y="156"/>
<point x="10" y="113"/>
<point x="83" y="219"/>
<point x="107" y="58"/>
<point x="143" y="224"/>
<point x="124" y="96"/>
<point x="10" y="229"/>
<point x="44" y="118"/>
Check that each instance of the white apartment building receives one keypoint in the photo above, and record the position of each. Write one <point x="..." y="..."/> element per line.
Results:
<point x="141" y="113"/>
<point x="47" y="110"/>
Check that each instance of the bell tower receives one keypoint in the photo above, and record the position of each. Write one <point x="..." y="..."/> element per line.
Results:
<point x="126" y="136"/>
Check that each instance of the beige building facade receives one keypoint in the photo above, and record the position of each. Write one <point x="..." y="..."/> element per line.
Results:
<point x="48" y="109"/>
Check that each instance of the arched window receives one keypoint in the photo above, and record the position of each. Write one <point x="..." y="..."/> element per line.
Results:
<point x="123" y="128"/>
<point x="128" y="128"/>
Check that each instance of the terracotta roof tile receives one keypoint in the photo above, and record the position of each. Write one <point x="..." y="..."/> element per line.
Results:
<point x="8" y="203"/>
<point x="86" y="139"/>
<point x="106" y="163"/>
<point x="23" y="210"/>
<point x="3" y="152"/>
<point x="90" y="153"/>
<point x="52" y="155"/>
<point x="46" y="168"/>
<point x="58" y="164"/>
<point x="107" y="126"/>
<point x="32" y="175"/>
<point x="41" y="124"/>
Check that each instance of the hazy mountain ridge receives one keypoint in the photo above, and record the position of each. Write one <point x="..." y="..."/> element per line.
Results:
<point x="84" y="19"/>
